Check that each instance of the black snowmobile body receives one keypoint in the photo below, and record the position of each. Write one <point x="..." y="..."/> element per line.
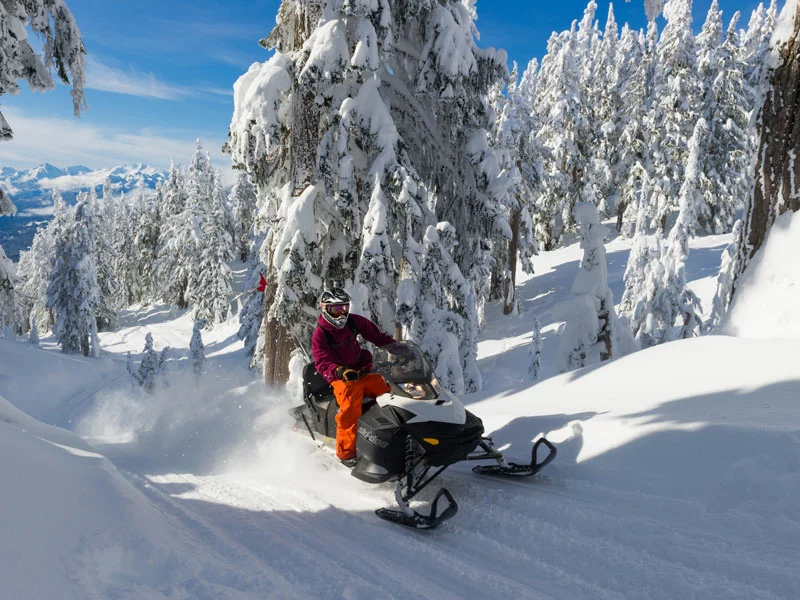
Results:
<point x="411" y="434"/>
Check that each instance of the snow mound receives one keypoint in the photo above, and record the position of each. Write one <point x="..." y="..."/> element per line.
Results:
<point x="768" y="294"/>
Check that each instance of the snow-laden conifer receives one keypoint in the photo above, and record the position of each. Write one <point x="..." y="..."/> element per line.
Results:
<point x="518" y="154"/>
<point x="209" y="287"/>
<point x="8" y="296"/>
<point x="725" y="277"/>
<point x="631" y="169"/>
<point x="366" y="94"/>
<point x="243" y="201"/>
<point x="36" y="264"/>
<point x="593" y="333"/>
<point x="73" y="294"/>
<point x="674" y="111"/>
<point x="151" y="372"/>
<point x="33" y="336"/>
<point x="535" y="369"/>
<point x="727" y="154"/>
<point x="439" y="311"/>
<point x="62" y="50"/>
<point x="146" y="220"/>
<point x="660" y="306"/>
<point x="197" y="350"/>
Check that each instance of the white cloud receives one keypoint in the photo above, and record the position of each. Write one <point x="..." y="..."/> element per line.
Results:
<point x="44" y="211"/>
<point x="105" y="78"/>
<point x="69" y="142"/>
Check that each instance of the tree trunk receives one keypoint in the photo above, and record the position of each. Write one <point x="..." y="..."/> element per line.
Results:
<point x="605" y="331"/>
<point x="278" y="343"/>
<point x="303" y="142"/>
<point x="779" y="138"/>
<point x="513" y="247"/>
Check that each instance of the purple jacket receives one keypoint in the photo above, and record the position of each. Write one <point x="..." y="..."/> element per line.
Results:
<point x="333" y="347"/>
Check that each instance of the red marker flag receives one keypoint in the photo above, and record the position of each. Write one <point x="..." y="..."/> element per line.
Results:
<point x="262" y="284"/>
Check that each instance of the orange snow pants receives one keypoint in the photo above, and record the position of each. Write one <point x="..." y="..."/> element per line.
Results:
<point x="349" y="395"/>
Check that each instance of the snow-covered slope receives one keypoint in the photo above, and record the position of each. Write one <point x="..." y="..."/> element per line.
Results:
<point x="677" y="475"/>
<point x="767" y="300"/>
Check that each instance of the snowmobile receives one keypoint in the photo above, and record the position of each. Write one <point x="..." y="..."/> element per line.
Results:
<point x="411" y="434"/>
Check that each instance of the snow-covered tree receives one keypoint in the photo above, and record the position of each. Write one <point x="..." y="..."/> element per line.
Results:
<point x="559" y="104"/>
<point x="197" y="350"/>
<point x="209" y="286"/>
<point x="727" y="152"/>
<point x="36" y="264"/>
<point x="152" y="368"/>
<point x="62" y="51"/>
<point x="630" y="171"/>
<point x="593" y="333"/>
<point x="362" y="95"/>
<point x="8" y="295"/>
<point x="146" y="220"/>
<point x="660" y="307"/>
<point x="243" y="200"/>
<point x="727" y="272"/>
<point x="535" y="369"/>
<point x="97" y="220"/>
<point x="73" y="294"/>
<point x="518" y="154"/>
<point x="674" y="110"/>
<point x="33" y="336"/>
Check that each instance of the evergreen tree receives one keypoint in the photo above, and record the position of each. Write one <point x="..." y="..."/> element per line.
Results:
<point x="243" y="199"/>
<point x="656" y="292"/>
<point x="366" y="95"/>
<point x="727" y="154"/>
<point x="63" y="51"/>
<point x="33" y="337"/>
<point x="593" y="333"/>
<point x="197" y="350"/>
<point x="209" y="287"/>
<point x="727" y="272"/>
<point x="558" y="102"/>
<point x="36" y="264"/>
<point x="674" y="110"/>
<point x="632" y="165"/>
<point x="535" y="369"/>
<point x="152" y="368"/>
<point x="8" y="295"/>
<point x="146" y="215"/>
<point x="73" y="293"/>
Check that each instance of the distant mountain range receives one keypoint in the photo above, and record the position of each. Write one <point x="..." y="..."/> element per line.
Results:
<point x="32" y="193"/>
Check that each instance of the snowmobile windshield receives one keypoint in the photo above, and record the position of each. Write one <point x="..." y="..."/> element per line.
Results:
<point x="403" y="362"/>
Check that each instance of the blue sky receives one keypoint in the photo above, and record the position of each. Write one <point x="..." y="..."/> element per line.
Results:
<point x="161" y="73"/>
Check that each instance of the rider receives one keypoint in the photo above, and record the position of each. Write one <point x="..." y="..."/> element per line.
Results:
<point x="339" y="358"/>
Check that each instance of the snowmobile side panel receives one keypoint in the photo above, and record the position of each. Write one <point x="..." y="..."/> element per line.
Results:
<point x="380" y="446"/>
<point x="447" y="443"/>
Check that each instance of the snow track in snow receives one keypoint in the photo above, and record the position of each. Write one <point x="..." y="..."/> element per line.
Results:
<point x="543" y="538"/>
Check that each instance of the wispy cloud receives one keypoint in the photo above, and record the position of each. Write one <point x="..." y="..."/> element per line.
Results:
<point x="105" y="78"/>
<point x="65" y="142"/>
<point x="144" y="85"/>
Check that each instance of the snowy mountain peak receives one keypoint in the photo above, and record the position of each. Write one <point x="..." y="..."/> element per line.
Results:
<point x="43" y="171"/>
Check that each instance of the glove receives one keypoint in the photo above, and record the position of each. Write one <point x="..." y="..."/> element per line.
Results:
<point x="347" y="374"/>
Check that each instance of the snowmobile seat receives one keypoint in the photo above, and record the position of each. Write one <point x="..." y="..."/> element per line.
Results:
<point x="315" y="387"/>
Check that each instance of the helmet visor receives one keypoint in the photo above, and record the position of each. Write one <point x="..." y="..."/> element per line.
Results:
<point x="337" y="310"/>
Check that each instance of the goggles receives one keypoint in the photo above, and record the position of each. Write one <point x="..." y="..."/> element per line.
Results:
<point x="337" y="310"/>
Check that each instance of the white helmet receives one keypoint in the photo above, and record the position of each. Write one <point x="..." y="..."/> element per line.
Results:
<point x="335" y="306"/>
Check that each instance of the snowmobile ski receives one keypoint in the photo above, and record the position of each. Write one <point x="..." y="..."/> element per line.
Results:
<point x="512" y="469"/>
<point x="411" y="518"/>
